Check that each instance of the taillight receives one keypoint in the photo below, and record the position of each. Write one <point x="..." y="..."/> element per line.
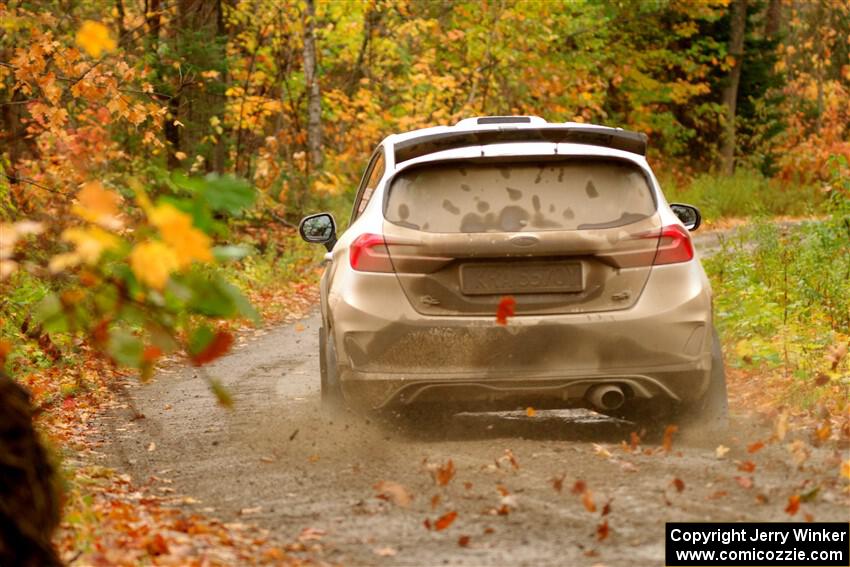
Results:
<point x="674" y="246"/>
<point x="369" y="253"/>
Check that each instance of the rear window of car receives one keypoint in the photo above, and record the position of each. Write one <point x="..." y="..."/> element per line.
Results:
<point x="523" y="196"/>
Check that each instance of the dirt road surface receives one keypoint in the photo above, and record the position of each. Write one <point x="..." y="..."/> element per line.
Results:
<point x="278" y="461"/>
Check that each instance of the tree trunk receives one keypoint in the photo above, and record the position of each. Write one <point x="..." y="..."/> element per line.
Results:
<point x="29" y="496"/>
<point x="772" y="18"/>
<point x="730" y="91"/>
<point x="314" y="95"/>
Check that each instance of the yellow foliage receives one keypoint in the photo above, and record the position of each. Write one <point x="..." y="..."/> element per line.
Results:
<point x="89" y="244"/>
<point x="95" y="39"/>
<point x="98" y="205"/>
<point x="187" y="242"/>
<point x="153" y="262"/>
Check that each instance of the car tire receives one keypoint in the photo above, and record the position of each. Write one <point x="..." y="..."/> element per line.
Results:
<point x="331" y="391"/>
<point x="711" y="411"/>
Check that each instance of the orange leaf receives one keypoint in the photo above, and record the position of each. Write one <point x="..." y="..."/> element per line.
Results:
<point x="755" y="447"/>
<point x="667" y="443"/>
<point x="587" y="500"/>
<point x="793" y="504"/>
<point x="445" y="521"/>
<point x="398" y="494"/>
<point x="435" y="501"/>
<point x="151" y="353"/>
<point x="606" y="509"/>
<point x="744" y="481"/>
<point x="463" y="541"/>
<point x="530" y="411"/>
<point x="506" y="308"/>
<point x="579" y="487"/>
<point x="217" y="347"/>
<point x="444" y="474"/>
<point x="558" y="483"/>
<point x="602" y="531"/>
<point x="679" y="484"/>
<point x="747" y="466"/>
<point x="634" y="440"/>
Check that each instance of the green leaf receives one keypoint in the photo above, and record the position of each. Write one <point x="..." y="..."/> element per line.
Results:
<point x="228" y="194"/>
<point x="221" y="393"/>
<point x="200" y="338"/>
<point x="125" y="348"/>
<point x="51" y="315"/>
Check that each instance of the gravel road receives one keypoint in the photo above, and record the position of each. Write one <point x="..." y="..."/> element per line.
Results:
<point x="278" y="461"/>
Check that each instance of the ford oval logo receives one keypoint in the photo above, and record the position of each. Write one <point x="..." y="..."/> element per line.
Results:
<point x="524" y="240"/>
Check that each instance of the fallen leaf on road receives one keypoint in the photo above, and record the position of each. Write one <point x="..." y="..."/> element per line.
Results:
<point x="679" y="484"/>
<point x="602" y="531"/>
<point x="503" y="490"/>
<point x="755" y="447"/>
<point x="152" y="446"/>
<point x="717" y="495"/>
<point x="579" y="487"/>
<point x="435" y="501"/>
<point x="463" y="541"/>
<point x="667" y="442"/>
<point x="606" y="509"/>
<point x="823" y="432"/>
<point x="530" y="411"/>
<point x="845" y="469"/>
<point x="634" y="440"/>
<point x="310" y="534"/>
<point x="744" y="481"/>
<point x="250" y="511"/>
<point x="761" y="498"/>
<point x="793" y="505"/>
<point x="299" y="327"/>
<point x="445" y="521"/>
<point x="313" y="458"/>
<point x="267" y="459"/>
<point x="721" y="451"/>
<point x="747" y="466"/>
<point x="384" y="551"/>
<point x="393" y="491"/>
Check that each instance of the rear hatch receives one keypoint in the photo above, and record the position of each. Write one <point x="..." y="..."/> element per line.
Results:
<point x="570" y="235"/>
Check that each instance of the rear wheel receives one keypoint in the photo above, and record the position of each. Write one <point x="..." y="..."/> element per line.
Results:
<point x="331" y="391"/>
<point x="710" y="412"/>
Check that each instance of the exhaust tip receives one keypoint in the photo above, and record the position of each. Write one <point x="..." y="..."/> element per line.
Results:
<point x="606" y="397"/>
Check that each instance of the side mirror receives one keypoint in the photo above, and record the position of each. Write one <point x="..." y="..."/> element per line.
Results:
<point x="689" y="215"/>
<point x="319" y="229"/>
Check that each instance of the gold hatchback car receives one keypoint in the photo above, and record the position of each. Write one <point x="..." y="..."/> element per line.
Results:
<point x="506" y="262"/>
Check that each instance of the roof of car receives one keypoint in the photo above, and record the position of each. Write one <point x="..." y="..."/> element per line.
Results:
<point x="486" y="130"/>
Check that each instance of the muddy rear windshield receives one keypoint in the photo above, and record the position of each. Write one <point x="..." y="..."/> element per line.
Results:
<point x="523" y="196"/>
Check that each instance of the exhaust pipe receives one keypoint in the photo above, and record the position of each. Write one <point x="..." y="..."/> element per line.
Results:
<point x="606" y="397"/>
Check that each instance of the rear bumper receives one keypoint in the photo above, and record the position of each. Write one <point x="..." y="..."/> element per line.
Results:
<point x="660" y="347"/>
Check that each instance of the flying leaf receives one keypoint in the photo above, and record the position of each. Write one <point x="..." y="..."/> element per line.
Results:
<point x="667" y="442"/>
<point x="602" y="531"/>
<point x="793" y="505"/>
<point x="587" y="500"/>
<point x="444" y="474"/>
<point x="445" y="521"/>
<point x="395" y="492"/>
<point x="176" y="227"/>
<point x="98" y="205"/>
<point x="506" y="308"/>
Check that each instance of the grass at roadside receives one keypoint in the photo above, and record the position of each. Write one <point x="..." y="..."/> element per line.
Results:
<point x="745" y="194"/>
<point x="782" y="303"/>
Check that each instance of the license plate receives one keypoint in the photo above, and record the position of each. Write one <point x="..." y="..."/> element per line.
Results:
<point x="543" y="277"/>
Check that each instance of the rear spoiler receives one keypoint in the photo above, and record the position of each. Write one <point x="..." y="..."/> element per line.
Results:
<point x="625" y="140"/>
